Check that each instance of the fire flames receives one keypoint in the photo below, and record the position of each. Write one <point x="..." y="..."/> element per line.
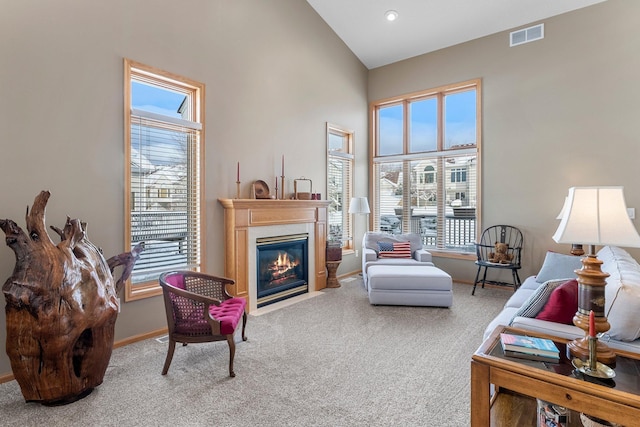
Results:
<point x="282" y="266"/>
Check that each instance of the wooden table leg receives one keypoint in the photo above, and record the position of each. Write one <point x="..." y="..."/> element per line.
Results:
<point x="480" y="395"/>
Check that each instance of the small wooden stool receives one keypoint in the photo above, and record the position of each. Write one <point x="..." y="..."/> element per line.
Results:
<point x="332" y="281"/>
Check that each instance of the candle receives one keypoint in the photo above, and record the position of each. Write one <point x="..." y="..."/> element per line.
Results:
<point x="238" y="173"/>
<point x="592" y="324"/>
<point x="282" y="165"/>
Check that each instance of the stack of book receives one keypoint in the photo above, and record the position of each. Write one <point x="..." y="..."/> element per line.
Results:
<point x="531" y="348"/>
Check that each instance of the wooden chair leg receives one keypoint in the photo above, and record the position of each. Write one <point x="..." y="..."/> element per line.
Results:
<point x="244" y="324"/>
<point x="484" y="277"/>
<point x="232" y="353"/>
<point x="475" y="282"/>
<point x="516" y="279"/>
<point x="167" y="362"/>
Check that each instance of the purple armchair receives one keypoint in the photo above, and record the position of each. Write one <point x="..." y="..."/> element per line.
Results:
<point x="199" y="309"/>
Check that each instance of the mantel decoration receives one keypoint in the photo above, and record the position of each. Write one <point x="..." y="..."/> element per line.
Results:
<point x="303" y="195"/>
<point x="261" y="190"/>
<point x="61" y="307"/>
<point x="594" y="216"/>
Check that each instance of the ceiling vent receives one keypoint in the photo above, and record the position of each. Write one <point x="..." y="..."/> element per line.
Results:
<point x="526" y="35"/>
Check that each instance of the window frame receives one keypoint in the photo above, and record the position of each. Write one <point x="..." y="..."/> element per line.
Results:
<point x="349" y="157"/>
<point x="163" y="79"/>
<point x="441" y="152"/>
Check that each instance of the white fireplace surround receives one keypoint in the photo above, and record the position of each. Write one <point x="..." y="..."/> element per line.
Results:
<point x="271" y="231"/>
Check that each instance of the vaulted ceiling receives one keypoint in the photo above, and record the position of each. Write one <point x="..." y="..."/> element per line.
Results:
<point x="427" y="25"/>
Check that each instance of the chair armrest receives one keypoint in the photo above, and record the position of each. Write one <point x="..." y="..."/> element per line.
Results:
<point x="422" y="255"/>
<point x="369" y="255"/>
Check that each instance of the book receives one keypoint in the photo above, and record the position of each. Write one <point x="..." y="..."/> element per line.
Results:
<point x="534" y="357"/>
<point x="529" y="345"/>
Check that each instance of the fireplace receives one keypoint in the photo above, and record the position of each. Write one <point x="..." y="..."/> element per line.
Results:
<point x="282" y="267"/>
<point x="246" y="220"/>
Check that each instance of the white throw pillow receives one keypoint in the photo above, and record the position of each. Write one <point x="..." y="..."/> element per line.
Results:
<point x="532" y="306"/>
<point x="556" y="266"/>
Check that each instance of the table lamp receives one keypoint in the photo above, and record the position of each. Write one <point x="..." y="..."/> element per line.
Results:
<point x="594" y="216"/>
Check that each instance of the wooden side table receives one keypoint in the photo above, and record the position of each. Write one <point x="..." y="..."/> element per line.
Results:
<point x="618" y="401"/>
<point x="332" y="281"/>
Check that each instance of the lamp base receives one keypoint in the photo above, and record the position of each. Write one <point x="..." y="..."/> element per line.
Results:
<point x="591" y="284"/>
<point x="580" y="349"/>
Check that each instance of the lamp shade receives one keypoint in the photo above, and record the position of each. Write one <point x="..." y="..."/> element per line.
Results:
<point x="359" y="205"/>
<point x="596" y="216"/>
<point x="564" y="207"/>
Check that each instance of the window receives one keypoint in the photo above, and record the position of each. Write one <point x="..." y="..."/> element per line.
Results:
<point x="425" y="165"/>
<point x="164" y="131"/>
<point x="339" y="183"/>
<point x="458" y="175"/>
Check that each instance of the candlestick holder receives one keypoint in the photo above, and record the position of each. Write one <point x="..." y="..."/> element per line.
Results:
<point x="593" y="353"/>
<point x="592" y="367"/>
<point x="237" y="189"/>
<point x="282" y="187"/>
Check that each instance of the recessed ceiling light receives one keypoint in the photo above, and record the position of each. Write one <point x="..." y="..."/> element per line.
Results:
<point x="391" y="15"/>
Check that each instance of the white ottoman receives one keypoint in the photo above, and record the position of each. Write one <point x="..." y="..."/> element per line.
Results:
<point x="409" y="285"/>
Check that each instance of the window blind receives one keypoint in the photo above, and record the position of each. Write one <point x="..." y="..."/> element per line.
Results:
<point x="339" y="172"/>
<point x="165" y="188"/>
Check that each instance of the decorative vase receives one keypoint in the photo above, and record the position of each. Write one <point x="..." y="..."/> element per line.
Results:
<point x="334" y="251"/>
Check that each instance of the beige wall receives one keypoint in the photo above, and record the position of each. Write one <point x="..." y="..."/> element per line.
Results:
<point x="274" y="74"/>
<point x="557" y="113"/>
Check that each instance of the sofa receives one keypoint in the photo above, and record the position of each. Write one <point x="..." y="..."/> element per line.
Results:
<point x="370" y="251"/>
<point x="547" y="301"/>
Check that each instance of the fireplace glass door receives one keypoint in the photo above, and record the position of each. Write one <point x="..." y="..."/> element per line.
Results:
<point x="282" y="267"/>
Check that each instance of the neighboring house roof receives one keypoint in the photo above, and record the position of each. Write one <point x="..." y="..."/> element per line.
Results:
<point x="139" y="162"/>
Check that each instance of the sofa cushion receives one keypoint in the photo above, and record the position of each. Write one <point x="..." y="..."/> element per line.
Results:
<point x="622" y="293"/>
<point x="558" y="266"/>
<point x="569" y="332"/>
<point x="503" y="318"/>
<point x="394" y="250"/>
<point x="519" y="298"/>
<point x="532" y="306"/>
<point x="562" y="304"/>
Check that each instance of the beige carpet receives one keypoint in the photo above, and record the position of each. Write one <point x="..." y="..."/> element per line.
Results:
<point x="332" y="360"/>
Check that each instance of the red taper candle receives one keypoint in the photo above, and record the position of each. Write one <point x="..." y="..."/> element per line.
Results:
<point x="592" y="324"/>
<point x="238" y="173"/>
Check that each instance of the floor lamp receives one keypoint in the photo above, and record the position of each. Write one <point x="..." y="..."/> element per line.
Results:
<point x="594" y="216"/>
<point x="360" y="206"/>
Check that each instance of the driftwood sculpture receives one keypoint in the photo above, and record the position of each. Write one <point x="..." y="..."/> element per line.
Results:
<point x="61" y="308"/>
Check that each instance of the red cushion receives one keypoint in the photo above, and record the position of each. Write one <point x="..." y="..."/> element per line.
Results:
<point x="228" y="313"/>
<point x="562" y="304"/>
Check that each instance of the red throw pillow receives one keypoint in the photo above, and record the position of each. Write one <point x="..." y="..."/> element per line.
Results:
<point x="562" y="304"/>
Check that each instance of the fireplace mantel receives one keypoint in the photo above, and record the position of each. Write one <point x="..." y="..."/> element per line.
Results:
<point x="241" y="215"/>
